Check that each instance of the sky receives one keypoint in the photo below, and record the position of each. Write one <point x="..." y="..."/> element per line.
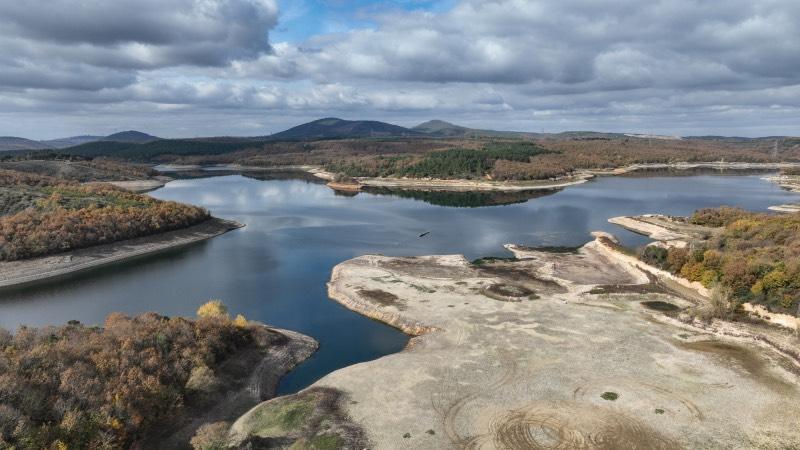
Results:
<point x="185" y="68"/>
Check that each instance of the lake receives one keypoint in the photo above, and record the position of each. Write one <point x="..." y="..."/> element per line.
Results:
<point x="274" y="270"/>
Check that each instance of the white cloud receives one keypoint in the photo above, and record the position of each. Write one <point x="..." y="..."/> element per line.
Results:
<point x="671" y="66"/>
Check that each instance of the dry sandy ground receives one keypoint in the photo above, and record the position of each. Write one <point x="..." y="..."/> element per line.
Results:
<point x="141" y="186"/>
<point x="787" y="208"/>
<point x="664" y="228"/>
<point x="788" y="182"/>
<point x="14" y="273"/>
<point x="473" y="185"/>
<point x="534" y="354"/>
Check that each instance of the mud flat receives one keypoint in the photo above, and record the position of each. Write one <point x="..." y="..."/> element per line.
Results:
<point x="473" y="185"/>
<point x="787" y="208"/>
<point x="788" y="182"/>
<point x="140" y="186"/>
<point x="664" y="228"/>
<point x="556" y="350"/>
<point x="15" y="273"/>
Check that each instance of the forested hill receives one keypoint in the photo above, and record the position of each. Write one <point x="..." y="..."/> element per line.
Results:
<point x="333" y="128"/>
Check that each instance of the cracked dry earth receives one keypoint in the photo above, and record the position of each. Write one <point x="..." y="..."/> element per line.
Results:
<point x="519" y="355"/>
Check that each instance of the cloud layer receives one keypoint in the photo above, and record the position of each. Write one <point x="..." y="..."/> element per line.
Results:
<point x="201" y="67"/>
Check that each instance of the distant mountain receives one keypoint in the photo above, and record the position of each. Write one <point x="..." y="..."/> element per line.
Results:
<point x="440" y="128"/>
<point x="333" y="128"/>
<point x="71" y="141"/>
<point x="134" y="137"/>
<point x="8" y="143"/>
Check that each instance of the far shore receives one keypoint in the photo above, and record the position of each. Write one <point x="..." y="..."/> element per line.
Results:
<point x="464" y="185"/>
<point x="17" y="273"/>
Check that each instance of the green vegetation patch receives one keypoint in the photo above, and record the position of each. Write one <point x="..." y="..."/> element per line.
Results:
<point x="491" y="259"/>
<point x="281" y="416"/>
<point x="455" y="163"/>
<point x="469" y="164"/>
<point x="310" y="420"/>
<point x="610" y="396"/>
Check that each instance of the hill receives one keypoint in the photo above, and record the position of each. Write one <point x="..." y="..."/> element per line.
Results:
<point x="135" y="137"/>
<point x="440" y="128"/>
<point x="71" y="141"/>
<point x="333" y="128"/>
<point x="8" y="143"/>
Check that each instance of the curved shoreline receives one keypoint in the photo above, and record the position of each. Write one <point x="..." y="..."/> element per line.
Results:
<point x="19" y="273"/>
<point x="492" y="362"/>
<point x="581" y="176"/>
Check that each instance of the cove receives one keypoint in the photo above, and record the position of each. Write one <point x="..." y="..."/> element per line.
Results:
<point x="275" y="269"/>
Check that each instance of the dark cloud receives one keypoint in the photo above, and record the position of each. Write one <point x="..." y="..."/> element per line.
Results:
<point x="146" y="33"/>
<point x="670" y="66"/>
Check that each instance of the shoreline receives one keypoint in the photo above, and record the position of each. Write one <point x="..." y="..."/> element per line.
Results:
<point x="45" y="268"/>
<point x="581" y="176"/>
<point x="485" y="369"/>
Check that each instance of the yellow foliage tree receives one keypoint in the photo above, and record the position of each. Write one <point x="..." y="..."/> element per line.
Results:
<point x="240" y="321"/>
<point x="213" y="308"/>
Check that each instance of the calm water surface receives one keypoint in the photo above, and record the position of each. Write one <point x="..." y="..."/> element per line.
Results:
<point x="275" y="269"/>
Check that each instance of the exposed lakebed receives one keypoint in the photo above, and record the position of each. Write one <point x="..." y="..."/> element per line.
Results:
<point x="275" y="269"/>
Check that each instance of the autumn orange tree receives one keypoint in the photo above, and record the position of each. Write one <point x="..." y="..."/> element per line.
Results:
<point x="66" y="216"/>
<point x="755" y="256"/>
<point x="107" y="387"/>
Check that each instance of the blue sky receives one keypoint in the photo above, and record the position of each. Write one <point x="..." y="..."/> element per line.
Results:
<point x="302" y="19"/>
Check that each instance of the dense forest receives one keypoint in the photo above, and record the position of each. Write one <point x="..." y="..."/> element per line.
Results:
<point x="755" y="257"/>
<point x="86" y="387"/>
<point x="457" y="163"/>
<point x="42" y="215"/>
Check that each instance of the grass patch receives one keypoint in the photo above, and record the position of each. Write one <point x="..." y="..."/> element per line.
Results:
<point x="661" y="306"/>
<point x="610" y="396"/>
<point x="491" y="259"/>
<point x="281" y="418"/>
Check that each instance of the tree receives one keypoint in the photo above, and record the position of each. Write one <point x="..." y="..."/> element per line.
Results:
<point x="213" y="308"/>
<point x="211" y="436"/>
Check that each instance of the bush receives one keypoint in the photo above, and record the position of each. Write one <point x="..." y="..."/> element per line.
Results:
<point x="755" y="257"/>
<point x="211" y="436"/>
<point x="213" y="308"/>
<point x="92" y="387"/>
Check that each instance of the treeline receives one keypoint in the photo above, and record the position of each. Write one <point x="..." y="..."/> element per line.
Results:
<point x="61" y="216"/>
<point x="155" y="149"/>
<point x="755" y="257"/>
<point x="80" y="169"/>
<point x="794" y="171"/>
<point x="82" y="387"/>
<point x="458" y="163"/>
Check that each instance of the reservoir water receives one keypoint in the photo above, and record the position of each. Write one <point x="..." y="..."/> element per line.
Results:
<point x="274" y="270"/>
